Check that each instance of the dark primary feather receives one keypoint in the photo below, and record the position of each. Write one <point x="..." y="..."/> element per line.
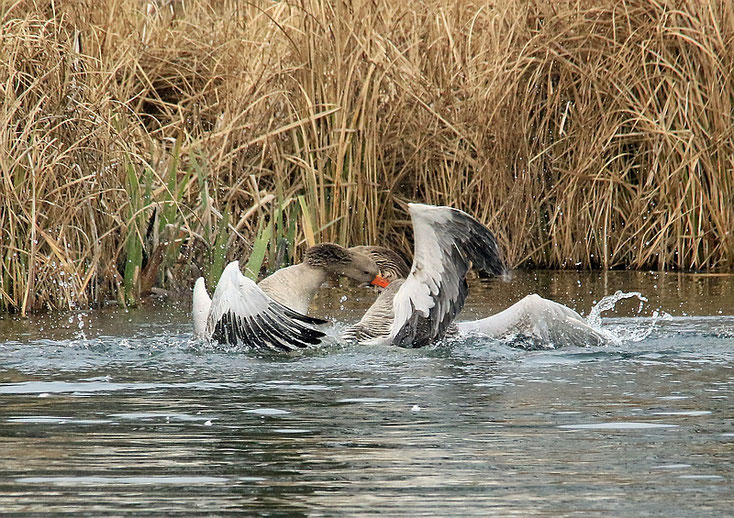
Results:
<point x="278" y="328"/>
<point x="464" y="243"/>
<point x="421" y="331"/>
<point x="476" y="242"/>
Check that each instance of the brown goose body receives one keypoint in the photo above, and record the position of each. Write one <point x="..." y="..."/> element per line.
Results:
<point x="295" y="286"/>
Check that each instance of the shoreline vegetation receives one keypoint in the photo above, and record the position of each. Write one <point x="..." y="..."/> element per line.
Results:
<point x="145" y="143"/>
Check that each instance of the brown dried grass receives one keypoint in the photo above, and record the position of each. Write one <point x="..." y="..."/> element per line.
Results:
<point x="593" y="135"/>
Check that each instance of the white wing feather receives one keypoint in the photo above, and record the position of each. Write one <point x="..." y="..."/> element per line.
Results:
<point x="544" y="321"/>
<point x="241" y="313"/>
<point x="201" y="305"/>
<point x="447" y="242"/>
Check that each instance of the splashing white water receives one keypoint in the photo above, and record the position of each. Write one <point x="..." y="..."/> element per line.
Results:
<point x="607" y="303"/>
<point x="625" y="333"/>
<point x="81" y="324"/>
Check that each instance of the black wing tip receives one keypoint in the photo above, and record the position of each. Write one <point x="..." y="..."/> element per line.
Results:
<point x="264" y="334"/>
<point x="480" y="245"/>
<point x="316" y="321"/>
<point x="505" y="276"/>
<point x="295" y="315"/>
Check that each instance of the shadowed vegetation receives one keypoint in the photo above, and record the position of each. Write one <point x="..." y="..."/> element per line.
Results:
<point x="145" y="143"/>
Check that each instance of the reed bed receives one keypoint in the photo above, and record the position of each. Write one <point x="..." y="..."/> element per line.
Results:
<point x="145" y="143"/>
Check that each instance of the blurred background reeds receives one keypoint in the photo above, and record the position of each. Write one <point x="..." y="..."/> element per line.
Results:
<point x="145" y="143"/>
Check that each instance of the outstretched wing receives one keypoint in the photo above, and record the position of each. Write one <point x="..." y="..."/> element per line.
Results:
<point x="447" y="243"/>
<point x="546" y="323"/>
<point x="241" y="313"/>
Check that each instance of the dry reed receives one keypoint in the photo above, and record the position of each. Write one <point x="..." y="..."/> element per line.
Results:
<point x="135" y="136"/>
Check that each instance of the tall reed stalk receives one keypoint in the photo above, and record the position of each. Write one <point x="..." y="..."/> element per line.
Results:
<point x="145" y="143"/>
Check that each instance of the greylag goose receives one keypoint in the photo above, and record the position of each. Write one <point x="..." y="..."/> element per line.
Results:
<point x="272" y="315"/>
<point x="295" y="286"/>
<point x="241" y="313"/>
<point x="534" y="321"/>
<point x="418" y="310"/>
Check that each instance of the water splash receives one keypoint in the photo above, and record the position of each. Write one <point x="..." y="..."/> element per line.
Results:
<point x="78" y="320"/>
<point x="625" y="333"/>
<point x="609" y="302"/>
<point x="80" y="325"/>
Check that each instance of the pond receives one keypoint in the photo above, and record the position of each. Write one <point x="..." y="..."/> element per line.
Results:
<point x="120" y="412"/>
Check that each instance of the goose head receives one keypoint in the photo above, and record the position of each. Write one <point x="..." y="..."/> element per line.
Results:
<point x="392" y="265"/>
<point x="337" y="260"/>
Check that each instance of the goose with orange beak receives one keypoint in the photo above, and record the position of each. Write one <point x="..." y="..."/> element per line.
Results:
<point x="445" y="240"/>
<point x="420" y="308"/>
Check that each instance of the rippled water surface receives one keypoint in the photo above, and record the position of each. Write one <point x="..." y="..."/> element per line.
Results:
<point x="114" y="412"/>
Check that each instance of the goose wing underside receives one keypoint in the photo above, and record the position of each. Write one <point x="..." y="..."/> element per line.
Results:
<point x="447" y="243"/>
<point x="242" y="314"/>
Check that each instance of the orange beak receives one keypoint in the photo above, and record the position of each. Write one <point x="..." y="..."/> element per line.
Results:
<point x="380" y="281"/>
